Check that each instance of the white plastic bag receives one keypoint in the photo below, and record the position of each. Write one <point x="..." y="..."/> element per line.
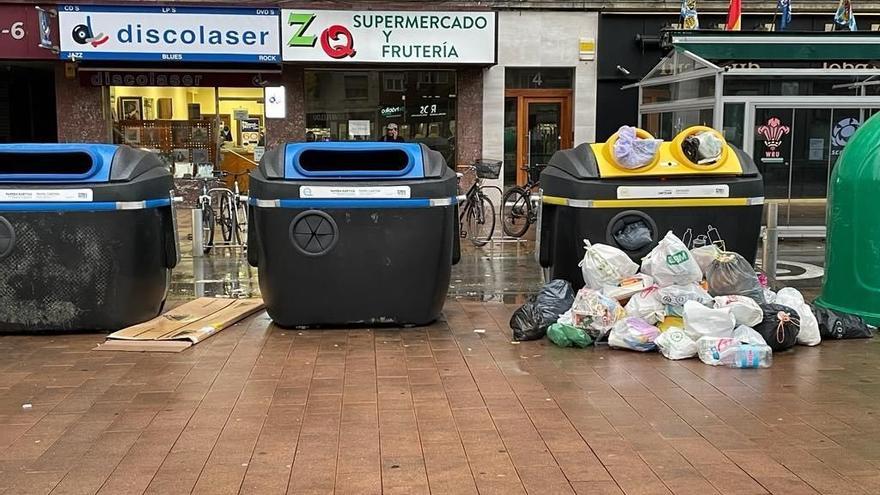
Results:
<point x="809" y="333"/>
<point x="632" y="152"/>
<point x="593" y="310"/>
<point x="769" y="296"/>
<point x="670" y="263"/>
<point x="634" y="334"/>
<point x="674" y="344"/>
<point x="628" y="287"/>
<point x="605" y="265"/>
<point x="748" y="335"/>
<point x="647" y="306"/>
<point x="746" y="311"/>
<point x="674" y="297"/>
<point x="705" y="255"/>
<point x="700" y="321"/>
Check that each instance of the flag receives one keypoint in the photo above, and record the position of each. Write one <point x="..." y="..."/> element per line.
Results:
<point x="784" y="14"/>
<point x="844" y="18"/>
<point x="689" y="19"/>
<point x="734" y="12"/>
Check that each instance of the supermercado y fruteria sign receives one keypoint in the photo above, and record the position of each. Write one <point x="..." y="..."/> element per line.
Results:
<point x="388" y="37"/>
<point x="170" y="34"/>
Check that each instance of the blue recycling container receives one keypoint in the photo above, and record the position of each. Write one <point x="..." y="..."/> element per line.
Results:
<point x="87" y="237"/>
<point x="353" y="233"/>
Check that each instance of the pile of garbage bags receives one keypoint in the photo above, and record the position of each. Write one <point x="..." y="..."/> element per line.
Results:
<point x="704" y="303"/>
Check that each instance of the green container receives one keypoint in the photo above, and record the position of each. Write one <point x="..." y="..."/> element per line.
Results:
<point x="852" y="249"/>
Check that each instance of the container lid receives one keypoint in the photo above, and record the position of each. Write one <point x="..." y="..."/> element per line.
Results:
<point x="73" y="163"/>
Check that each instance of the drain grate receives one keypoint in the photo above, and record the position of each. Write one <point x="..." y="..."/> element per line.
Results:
<point x="313" y="233"/>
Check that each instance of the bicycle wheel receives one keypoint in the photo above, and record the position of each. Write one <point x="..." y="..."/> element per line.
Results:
<point x="207" y="228"/>
<point x="227" y="220"/>
<point x="241" y="219"/>
<point x="481" y="222"/>
<point x="515" y="212"/>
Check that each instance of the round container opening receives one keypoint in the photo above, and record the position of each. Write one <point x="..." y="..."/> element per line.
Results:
<point x="632" y="231"/>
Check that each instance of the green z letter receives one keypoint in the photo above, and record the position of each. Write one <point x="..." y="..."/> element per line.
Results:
<point x="298" y="39"/>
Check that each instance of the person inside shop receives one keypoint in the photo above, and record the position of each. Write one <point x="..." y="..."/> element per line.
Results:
<point x="225" y="134"/>
<point x="392" y="134"/>
<point x="310" y="137"/>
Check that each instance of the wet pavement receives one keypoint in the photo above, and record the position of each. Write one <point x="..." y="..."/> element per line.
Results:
<point x="454" y="407"/>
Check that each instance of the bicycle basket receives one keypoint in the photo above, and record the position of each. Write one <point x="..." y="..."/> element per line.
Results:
<point x="535" y="172"/>
<point x="488" y="169"/>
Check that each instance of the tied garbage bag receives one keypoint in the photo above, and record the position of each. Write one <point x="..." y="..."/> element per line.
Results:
<point x="700" y="321"/>
<point x="555" y="298"/>
<point x="732" y="353"/>
<point x="675" y="344"/>
<point x="809" y="327"/>
<point x="730" y="274"/>
<point x="705" y="255"/>
<point x="530" y="322"/>
<point x="670" y="263"/>
<point x="634" y="334"/>
<point x="835" y="325"/>
<point x="647" y="305"/>
<point x="628" y="287"/>
<point x="779" y="327"/>
<point x="595" y="312"/>
<point x="702" y="148"/>
<point x="745" y="310"/>
<point x="527" y="323"/>
<point x="634" y="236"/>
<point x="632" y="152"/>
<point x="605" y="265"/>
<point x="568" y="336"/>
<point x="675" y="296"/>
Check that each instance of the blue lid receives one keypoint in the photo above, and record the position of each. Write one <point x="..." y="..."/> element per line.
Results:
<point x="69" y="163"/>
<point x="355" y="160"/>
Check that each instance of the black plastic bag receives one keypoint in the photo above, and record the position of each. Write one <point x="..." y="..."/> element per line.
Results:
<point x="554" y="299"/>
<point x="730" y="274"/>
<point x="531" y="321"/>
<point x="634" y="236"/>
<point x="528" y="323"/>
<point x="780" y="326"/>
<point x="834" y="325"/>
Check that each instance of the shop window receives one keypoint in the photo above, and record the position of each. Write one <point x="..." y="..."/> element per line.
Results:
<point x="510" y="121"/>
<point x="357" y="87"/>
<point x="421" y="103"/>
<point x="734" y="123"/>
<point x="539" y="78"/>
<point x="788" y="86"/>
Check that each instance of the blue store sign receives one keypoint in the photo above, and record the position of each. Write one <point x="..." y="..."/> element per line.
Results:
<point x="171" y="34"/>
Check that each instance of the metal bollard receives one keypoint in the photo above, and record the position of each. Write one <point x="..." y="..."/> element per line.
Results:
<point x="198" y="244"/>
<point x="771" y="243"/>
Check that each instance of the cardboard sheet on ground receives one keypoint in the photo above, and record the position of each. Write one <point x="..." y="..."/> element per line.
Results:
<point x="183" y="326"/>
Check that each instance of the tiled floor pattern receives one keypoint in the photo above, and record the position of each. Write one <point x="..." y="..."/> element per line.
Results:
<point x="443" y="409"/>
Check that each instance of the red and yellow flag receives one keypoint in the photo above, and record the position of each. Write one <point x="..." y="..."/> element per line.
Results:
<point x="734" y="12"/>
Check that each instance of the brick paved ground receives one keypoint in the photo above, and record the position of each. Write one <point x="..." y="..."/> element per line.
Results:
<point x="257" y="409"/>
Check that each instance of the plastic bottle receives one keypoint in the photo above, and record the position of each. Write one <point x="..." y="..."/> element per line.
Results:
<point x="734" y="354"/>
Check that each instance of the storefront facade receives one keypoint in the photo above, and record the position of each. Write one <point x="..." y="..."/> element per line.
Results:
<point x="417" y="70"/>
<point x="791" y="101"/>
<point x="27" y="81"/>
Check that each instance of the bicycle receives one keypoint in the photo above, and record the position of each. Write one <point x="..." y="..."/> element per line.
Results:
<point x="477" y="213"/>
<point x="518" y="214"/>
<point x="227" y="200"/>
<point x="241" y="208"/>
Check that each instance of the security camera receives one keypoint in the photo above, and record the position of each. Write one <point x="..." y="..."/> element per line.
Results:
<point x="623" y="70"/>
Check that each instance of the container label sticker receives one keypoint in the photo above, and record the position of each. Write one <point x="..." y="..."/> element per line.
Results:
<point x="653" y="192"/>
<point x="334" y="192"/>
<point x="45" y="195"/>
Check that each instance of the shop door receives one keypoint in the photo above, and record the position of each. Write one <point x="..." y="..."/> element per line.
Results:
<point x="543" y="127"/>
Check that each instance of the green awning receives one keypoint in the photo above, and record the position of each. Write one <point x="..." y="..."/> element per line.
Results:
<point x="719" y="45"/>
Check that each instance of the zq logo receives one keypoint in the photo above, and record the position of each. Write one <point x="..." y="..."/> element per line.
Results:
<point x="336" y="41"/>
<point x="83" y="34"/>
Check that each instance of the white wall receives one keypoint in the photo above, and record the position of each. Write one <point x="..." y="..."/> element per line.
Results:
<point x="540" y="39"/>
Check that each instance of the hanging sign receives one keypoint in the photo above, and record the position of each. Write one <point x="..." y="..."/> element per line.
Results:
<point x="842" y="131"/>
<point x="388" y="37"/>
<point x="773" y="134"/>
<point x="168" y="34"/>
<point x="25" y="32"/>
